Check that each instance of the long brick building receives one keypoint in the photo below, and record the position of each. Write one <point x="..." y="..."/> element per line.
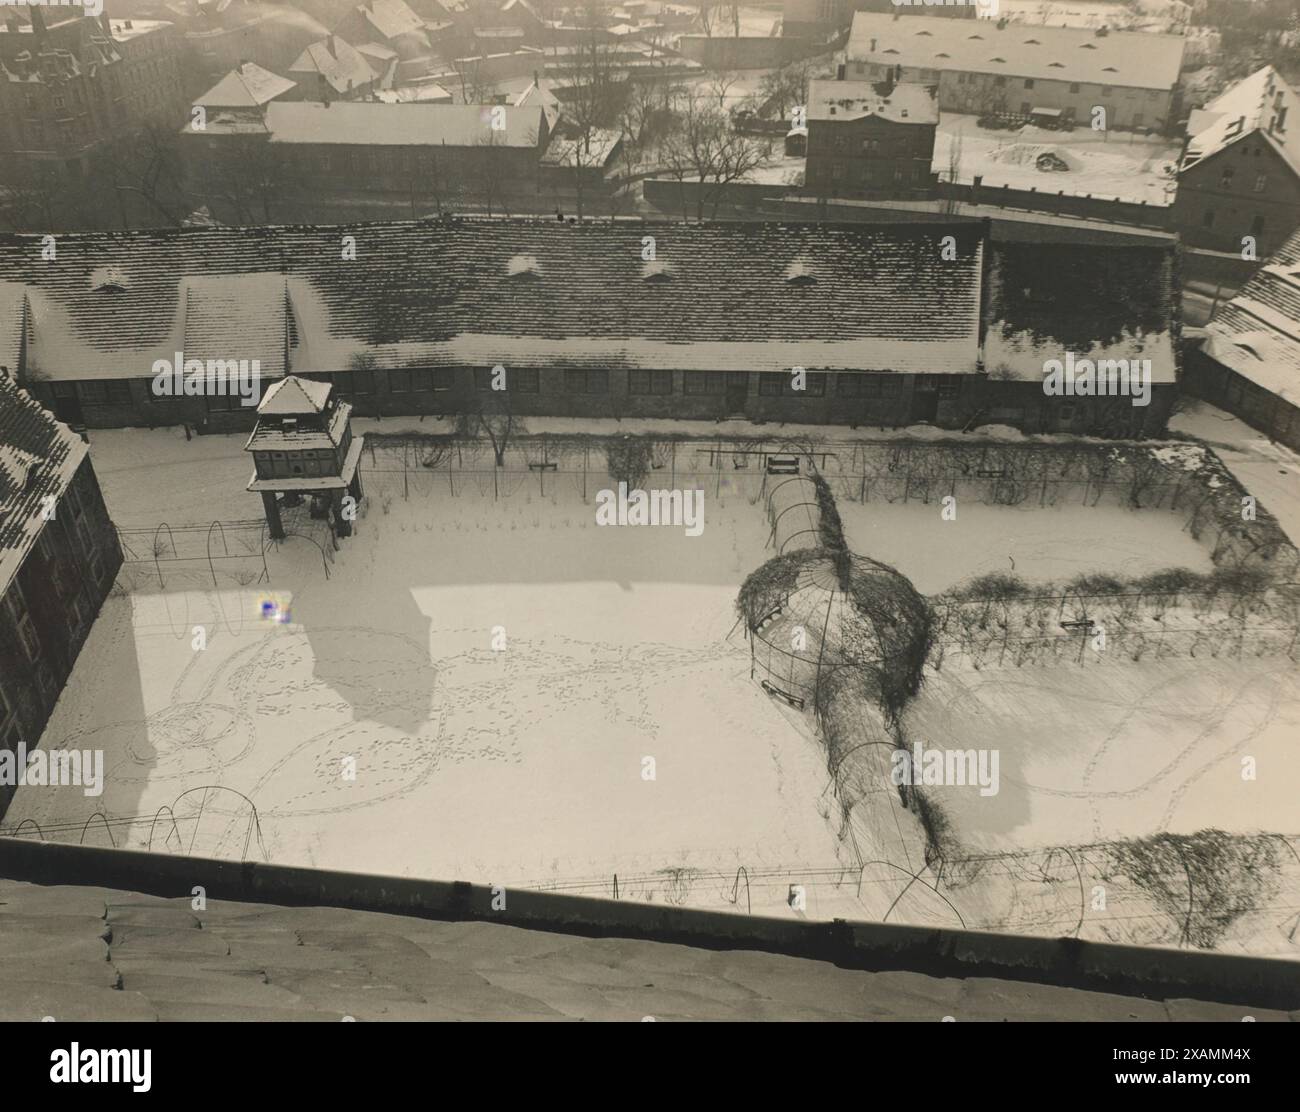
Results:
<point x="58" y="557"/>
<point x="980" y="67"/>
<point x="892" y="324"/>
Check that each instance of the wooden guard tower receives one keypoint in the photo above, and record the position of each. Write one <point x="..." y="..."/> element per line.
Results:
<point x="303" y="445"/>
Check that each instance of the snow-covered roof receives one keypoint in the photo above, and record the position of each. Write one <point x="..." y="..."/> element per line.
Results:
<point x="1092" y="301"/>
<point x="855" y="100"/>
<point x="246" y="86"/>
<point x="1257" y="333"/>
<point x="38" y="458"/>
<point x="292" y="396"/>
<point x="391" y="18"/>
<point x="1262" y="104"/>
<point x="1137" y="60"/>
<point x="338" y="62"/>
<point x="432" y="294"/>
<point x="374" y="123"/>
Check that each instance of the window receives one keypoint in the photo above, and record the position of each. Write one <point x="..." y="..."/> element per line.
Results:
<point x="27" y="635"/>
<point x="998" y="82"/>
<point x="119" y="392"/>
<point x="1261" y="180"/>
<point x="704" y="382"/>
<point x="586" y="382"/>
<point x="1257" y="226"/>
<point x="399" y="382"/>
<point x="428" y="380"/>
<point x="93" y="393"/>
<point x="363" y="382"/>
<point x="649" y="382"/>
<point x="1225" y="179"/>
<point x="1025" y="107"/>
<point x="519" y="380"/>
<point x="781" y="384"/>
<point x="1074" y="86"/>
<point x="949" y="388"/>
<point x="1207" y="220"/>
<point x="1029" y="82"/>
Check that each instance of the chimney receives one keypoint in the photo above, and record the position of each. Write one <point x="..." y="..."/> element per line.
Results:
<point x="873" y="46"/>
<point x="840" y="71"/>
<point x="38" y="23"/>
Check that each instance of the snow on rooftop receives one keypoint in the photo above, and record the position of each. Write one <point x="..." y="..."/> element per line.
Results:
<point x="856" y="100"/>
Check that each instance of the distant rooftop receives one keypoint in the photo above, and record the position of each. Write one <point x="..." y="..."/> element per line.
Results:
<point x="1138" y="60"/>
<point x="246" y="86"/>
<point x="856" y="100"/>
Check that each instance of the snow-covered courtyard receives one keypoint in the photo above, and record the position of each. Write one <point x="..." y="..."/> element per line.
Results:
<point x="500" y="690"/>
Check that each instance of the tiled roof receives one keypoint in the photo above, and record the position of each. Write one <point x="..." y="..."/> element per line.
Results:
<point x="1248" y="108"/>
<point x="104" y="954"/>
<point x="38" y="457"/>
<point x="1138" y="60"/>
<point x="855" y="100"/>
<point x="402" y="125"/>
<point x="1257" y="333"/>
<point x="1097" y="302"/>
<point x="246" y="86"/>
<point x="431" y="293"/>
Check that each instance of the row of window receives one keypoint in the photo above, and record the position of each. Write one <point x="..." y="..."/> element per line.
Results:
<point x="362" y="383"/>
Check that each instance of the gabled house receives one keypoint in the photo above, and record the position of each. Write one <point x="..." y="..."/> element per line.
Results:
<point x="1239" y="179"/>
<point x="334" y="69"/>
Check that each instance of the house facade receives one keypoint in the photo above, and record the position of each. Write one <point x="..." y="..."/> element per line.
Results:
<point x="59" y="555"/>
<point x="70" y="88"/>
<point x="1239" y="178"/>
<point x="870" y="139"/>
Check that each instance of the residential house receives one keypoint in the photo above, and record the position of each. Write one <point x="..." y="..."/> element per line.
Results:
<point x="1239" y="179"/>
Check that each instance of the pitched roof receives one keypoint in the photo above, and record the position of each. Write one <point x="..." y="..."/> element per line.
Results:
<point x="38" y="458"/>
<point x="870" y="297"/>
<point x="391" y="18"/>
<point x="402" y="125"/>
<point x="1095" y="301"/>
<point x="1257" y="333"/>
<point x="342" y="66"/>
<point x="1256" y="105"/>
<point x="246" y="86"/>
<point x="1139" y="60"/>
<point x="855" y="100"/>
<point x="292" y="396"/>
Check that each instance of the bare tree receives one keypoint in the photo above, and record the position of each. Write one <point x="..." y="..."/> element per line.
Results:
<point x="705" y="149"/>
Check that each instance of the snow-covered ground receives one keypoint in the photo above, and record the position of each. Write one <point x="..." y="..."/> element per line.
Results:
<point x="1118" y="750"/>
<point x="1114" y="164"/>
<point x="524" y="764"/>
<point x="1048" y="544"/>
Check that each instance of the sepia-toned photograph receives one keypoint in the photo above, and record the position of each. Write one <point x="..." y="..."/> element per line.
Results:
<point x="635" y="511"/>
